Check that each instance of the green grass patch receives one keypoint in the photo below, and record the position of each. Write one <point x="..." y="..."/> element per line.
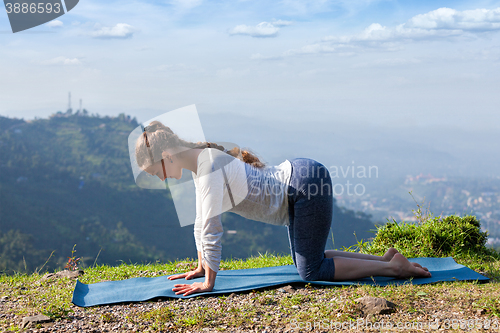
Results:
<point x="458" y="237"/>
<point x="454" y="236"/>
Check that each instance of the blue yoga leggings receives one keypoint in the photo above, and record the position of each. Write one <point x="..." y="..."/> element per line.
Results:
<point x="310" y="207"/>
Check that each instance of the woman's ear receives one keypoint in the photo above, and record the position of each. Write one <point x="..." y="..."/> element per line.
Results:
<point x="166" y="154"/>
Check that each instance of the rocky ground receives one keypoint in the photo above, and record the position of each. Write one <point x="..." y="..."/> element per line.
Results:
<point x="35" y="303"/>
<point x="283" y="309"/>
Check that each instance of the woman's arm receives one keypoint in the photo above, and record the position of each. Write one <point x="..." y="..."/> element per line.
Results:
<point x="208" y="229"/>
<point x="210" y="277"/>
<point x="200" y="262"/>
<point x="198" y="221"/>
<point x="211" y="193"/>
<point x="197" y="287"/>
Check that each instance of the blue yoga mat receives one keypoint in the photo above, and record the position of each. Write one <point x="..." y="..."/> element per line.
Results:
<point x="143" y="289"/>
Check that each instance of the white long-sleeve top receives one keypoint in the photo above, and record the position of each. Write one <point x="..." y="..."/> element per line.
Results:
<point x="258" y="194"/>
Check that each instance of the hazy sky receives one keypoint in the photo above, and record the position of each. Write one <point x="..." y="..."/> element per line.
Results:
<point x="378" y="62"/>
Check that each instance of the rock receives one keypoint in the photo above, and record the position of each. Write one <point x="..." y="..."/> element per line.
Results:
<point x="481" y="312"/>
<point x="35" y="320"/>
<point x="375" y="305"/>
<point x="65" y="273"/>
<point x="289" y="289"/>
<point x="70" y="274"/>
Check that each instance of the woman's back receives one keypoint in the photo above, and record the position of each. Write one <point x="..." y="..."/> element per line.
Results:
<point x="266" y="200"/>
<point x="258" y="193"/>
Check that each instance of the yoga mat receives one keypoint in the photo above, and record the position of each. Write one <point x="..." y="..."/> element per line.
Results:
<point x="143" y="289"/>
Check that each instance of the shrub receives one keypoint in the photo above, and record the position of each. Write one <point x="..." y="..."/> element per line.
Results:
<point x="437" y="237"/>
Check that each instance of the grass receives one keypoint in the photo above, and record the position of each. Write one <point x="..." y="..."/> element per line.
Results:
<point x="450" y="302"/>
<point x="459" y="300"/>
<point x="52" y="297"/>
<point x="454" y="236"/>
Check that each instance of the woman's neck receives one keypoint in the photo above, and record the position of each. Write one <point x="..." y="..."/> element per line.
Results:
<point x="189" y="159"/>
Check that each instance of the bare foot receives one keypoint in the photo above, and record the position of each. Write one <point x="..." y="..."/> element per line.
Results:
<point x="389" y="254"/>
<point x="418" y="265"/>
<point x="405" y="269"/>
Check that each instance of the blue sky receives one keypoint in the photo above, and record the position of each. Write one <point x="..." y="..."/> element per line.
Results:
<point x="393" y="63"/>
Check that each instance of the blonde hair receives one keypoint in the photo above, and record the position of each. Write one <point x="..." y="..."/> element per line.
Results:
<point x="157" y="137"/>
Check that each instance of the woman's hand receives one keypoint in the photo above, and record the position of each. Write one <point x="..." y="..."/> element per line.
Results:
<point x="188" y="289"/>
<point x="189" y="275"/>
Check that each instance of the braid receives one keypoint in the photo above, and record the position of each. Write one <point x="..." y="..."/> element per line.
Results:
<point x="243" y="155"/>
<point x="158" y="137"/>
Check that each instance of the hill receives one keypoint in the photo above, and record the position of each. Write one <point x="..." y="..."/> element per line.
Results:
<point x="67" y="180"/>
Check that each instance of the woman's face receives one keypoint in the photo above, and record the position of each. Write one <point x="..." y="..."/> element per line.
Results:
<point x="172" y="170"/>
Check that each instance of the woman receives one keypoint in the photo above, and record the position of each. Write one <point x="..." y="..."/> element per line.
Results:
<point x="296" y="194"/>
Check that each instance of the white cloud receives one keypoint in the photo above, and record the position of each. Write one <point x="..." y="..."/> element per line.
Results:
<point x="121" y="31"/>
<point x="439" y="23"/>
<point x="281" y="23"/>
<point x="55" y="24"/>
<point x="263" y="29"/>
<point x="378" y="35"/>
<point x="442" y="23"/>
<point x="62" y="61"/>
<point x="476" y="20"/>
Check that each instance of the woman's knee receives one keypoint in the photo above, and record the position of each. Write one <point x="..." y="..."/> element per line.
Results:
<point x="324" y="272"/>
<point x="307" y="275"/>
